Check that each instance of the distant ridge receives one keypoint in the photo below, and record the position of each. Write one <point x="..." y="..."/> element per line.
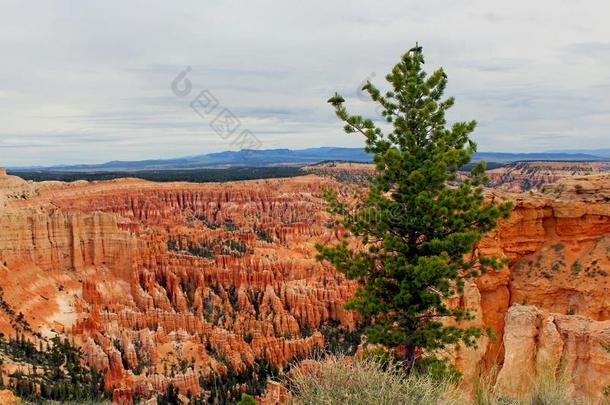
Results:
<point x="605" y="153"/>
<point x="286" y="157"/>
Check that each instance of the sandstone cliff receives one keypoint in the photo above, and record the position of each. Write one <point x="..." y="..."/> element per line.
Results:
<point x="172" y="283"/>
<point x="524" y="176"/>
<point x="539" y="344"/>
<point x="100" y="262"/>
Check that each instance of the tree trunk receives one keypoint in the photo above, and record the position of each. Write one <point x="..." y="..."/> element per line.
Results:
<point x="409" y="356"/>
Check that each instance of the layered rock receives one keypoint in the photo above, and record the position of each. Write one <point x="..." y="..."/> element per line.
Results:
<point x="543" y="345"/>
<point x="93" y="260"/>
<point x="557" y="246"/>
<point x="172" y="283"/>
<point x="532" y="175"/>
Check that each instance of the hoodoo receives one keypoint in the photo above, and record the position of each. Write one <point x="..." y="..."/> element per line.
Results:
<point x="169" y="283"/>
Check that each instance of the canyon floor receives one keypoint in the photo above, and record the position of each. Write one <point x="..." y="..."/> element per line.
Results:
<point x="183" y="283"/>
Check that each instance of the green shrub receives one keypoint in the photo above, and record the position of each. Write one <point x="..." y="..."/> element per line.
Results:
<point x="246" y="400"/>
<point x="367" y="380"/>
<point x="344" y="380"/>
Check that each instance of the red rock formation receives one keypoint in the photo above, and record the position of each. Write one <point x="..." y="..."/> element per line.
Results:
<point x="524" y="176"/>
<point x="558" y="247"/>
<point x="8" y="398"/>
<point x="92" y="260"/>
<point x="539" y="344"/>
<point x="275" y="394"/>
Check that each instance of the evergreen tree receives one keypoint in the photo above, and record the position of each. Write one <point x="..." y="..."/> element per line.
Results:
<point x="418" y="222"/>
<point x="170" y="397"/>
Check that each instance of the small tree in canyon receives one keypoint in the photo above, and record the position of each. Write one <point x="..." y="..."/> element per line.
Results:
<point x="418" y="222"/>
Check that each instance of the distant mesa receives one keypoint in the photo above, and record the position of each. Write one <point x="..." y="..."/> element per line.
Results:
<point x="288" y="157"/>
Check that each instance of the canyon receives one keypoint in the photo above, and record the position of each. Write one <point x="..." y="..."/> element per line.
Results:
<point x="528" y="175"/>
<point x="514" y="177"/>
<point x="177" y="283"/>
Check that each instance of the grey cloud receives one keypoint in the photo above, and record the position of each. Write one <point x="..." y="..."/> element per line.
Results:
<point x="90" y="81"/>
<point x="586" y="52"/>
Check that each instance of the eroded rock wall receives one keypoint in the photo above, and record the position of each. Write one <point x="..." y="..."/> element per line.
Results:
<point x="241" y="285"/>
<point x="168" y="283"/>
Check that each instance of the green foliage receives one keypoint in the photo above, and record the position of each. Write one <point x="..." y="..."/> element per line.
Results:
<point x="229" y="225"/>
<point x="246" y="400"/>
<point x="576" y="267"/>
<point x="229" y="247"/>
<point x="263" y="235"/>
<point x="381" y="356"/>
<point x="229" y="388"/>
<point x="438" y="369"/>
<point x="63" y="376"/>
<point x="370" y="380"/>
<point x="17" y="320"/>
<point x="419" y="223"/>
<point x="353" y="381"/>
<point x="340" y="341"/>
<point x="169" y="397"/>
<point x="195" y="176"/>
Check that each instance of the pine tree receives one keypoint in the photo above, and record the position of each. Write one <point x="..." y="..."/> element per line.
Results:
<point x="170" y="397"/>
<point x="418" y="221"/>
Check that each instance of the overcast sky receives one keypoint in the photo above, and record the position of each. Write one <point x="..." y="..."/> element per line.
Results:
<point x="84" y="81"/>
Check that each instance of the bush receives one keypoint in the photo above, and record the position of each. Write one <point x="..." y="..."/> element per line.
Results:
<point x="246" y="400"/>
<point x="369" y="380"/>
<point x="343" y="380"/>
<point x="546" y="390"/>
<point x="550" y="391"/>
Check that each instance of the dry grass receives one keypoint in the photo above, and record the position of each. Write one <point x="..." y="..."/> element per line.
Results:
<point x="546" y="390"/>
<point x="341" y="380"/>
<point x="49" y="402"/>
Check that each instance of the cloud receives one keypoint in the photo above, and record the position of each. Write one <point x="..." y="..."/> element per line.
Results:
<point x="90" y="81"/>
